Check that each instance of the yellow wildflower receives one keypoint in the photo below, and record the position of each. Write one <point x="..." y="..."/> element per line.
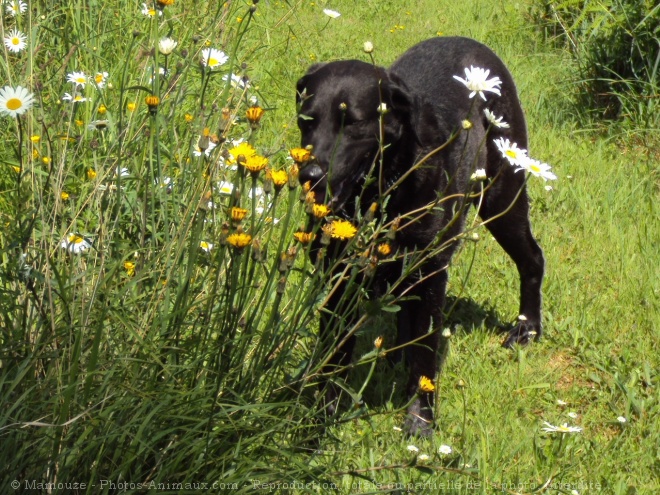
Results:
<point x="244" y="150"/>
<point x="255" y="163"/>
<point x="254" y="114"/>
<point x="341" y="229"/>
<point x="300" y="155"/>
<point x="239" y="240"/>
<point x="129" y="266"/>
<point x="320" y="211"/>
<point x="426" y="384"/>
<point x="304" y="237"/>
<point x="237" y="214"/>
<point x="279" y="177"/>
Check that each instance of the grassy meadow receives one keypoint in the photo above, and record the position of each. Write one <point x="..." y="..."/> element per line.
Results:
<point x="158" y="310"/>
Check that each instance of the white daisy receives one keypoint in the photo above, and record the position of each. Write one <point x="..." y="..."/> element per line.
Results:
<point x="412" y="448"/>
<point x="97" y="125"/>
<point x="206" y="246"/>
<point x="572" y="415"/>
<point x="150" y="11"/>
<point x="444" y="450"/>
<point x="77" y="78"/>
<point x="99" y="79"/>
<point x="476" y="80"/>
<point x="15" y="42"/>
<point x="561" y="402"/>
<point x="213" y="58"/>
<point x="166" y="46"/>
<point x="75" y="244"/>
<point x="396" y="428"/>
<point x="161" y="71"/>
<point x="561" y="429"/>
<point x="165" y="183"/>
<point x="16" y="7"/>
<point x="423" y="457"/>
<point x="198" y="151"/>
<point x="236" y="81"/>
<point x="621" y="419"/>
<point x="15" y="101"/>
<point x="479" y="175"/>
<point x="333" y="14"/>
<point x="537" y="169"/>
<point x="74" y="98"/>
<point x="516" y="156"/>
<point x="494" y="120"/>
<point x="225" y="187"/>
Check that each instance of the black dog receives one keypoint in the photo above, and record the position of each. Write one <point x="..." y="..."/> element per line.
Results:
<point x="425" y="107"/>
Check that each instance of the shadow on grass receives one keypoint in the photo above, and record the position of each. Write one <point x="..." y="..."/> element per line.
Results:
<point x="387" y="388"/>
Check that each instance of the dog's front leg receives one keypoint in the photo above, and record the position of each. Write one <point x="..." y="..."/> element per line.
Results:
<point x="423" y="319"/>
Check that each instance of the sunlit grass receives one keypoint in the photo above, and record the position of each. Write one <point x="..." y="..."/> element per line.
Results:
<point x="170" y="351"/>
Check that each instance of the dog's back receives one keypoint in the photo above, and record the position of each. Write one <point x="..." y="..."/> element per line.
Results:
<point x="428" y="68"/>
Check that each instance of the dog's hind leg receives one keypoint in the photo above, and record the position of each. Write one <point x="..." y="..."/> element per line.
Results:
<point x="505" y="208"/>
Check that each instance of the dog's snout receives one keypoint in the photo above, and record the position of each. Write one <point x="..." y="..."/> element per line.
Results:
<point x="311" y="173"/>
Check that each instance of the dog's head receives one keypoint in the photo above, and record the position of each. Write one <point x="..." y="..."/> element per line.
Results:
<point x="340" y="109"/>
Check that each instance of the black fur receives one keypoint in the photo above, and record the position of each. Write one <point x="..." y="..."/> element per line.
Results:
<point x="339" y="118"/>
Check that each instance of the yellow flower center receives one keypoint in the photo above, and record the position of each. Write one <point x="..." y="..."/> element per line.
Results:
<point x="75" y="239"/>
<point x="14" y="103"/>
<point x="212" y="61"/>
<point x="15" y="41"/>
<point x="98" y="78"/>
<point x="511" y="153"/>
<point x="535" y="168"/>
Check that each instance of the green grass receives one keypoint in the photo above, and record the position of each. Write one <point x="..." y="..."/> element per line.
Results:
<point x="199" y="368"/>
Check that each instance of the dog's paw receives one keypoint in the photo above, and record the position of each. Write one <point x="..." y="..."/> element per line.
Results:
<point x="419" y="419"/>
<point x="522" y="334"/>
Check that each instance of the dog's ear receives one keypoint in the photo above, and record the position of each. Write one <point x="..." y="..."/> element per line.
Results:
<point x="402" y="107"/>
<point x="301" y="85"/>
<point x="408" y="110"/>
<point x="400" y="97"/>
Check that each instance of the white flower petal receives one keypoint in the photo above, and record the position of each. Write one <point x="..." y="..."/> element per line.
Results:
<point x="331" y="13"/>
